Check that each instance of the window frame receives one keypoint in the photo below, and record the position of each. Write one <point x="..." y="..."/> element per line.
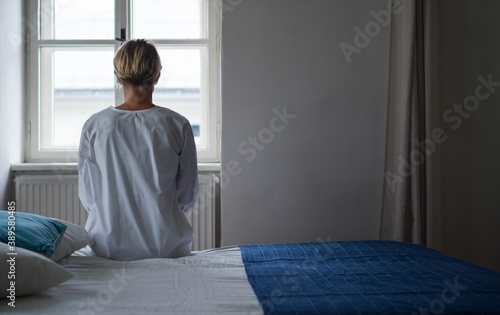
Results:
<point x="123" y="19"/>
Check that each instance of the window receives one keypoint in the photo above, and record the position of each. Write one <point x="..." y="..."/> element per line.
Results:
<point x="70" y="67"/>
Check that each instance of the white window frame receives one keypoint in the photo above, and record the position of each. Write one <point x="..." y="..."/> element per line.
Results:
<point x="34" y="154"/>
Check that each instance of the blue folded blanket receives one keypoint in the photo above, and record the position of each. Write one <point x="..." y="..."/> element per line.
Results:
<point x="367" y="277"/>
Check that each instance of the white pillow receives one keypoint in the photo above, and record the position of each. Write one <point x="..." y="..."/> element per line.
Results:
<point x="33" y="272"/>
<point x="75" y="238"/>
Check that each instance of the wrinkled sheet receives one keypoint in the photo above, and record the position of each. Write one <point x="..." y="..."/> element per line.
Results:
<point x="207" y="282"/>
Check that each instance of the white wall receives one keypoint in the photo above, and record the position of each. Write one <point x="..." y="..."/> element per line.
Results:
<point x="321" y="176"/>
<point x="470" y="47"/>
<point x="11" y="91"/>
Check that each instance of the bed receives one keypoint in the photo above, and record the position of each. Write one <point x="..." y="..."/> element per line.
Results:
<point x="207" y="282"/>
<point x="355" y="277"/>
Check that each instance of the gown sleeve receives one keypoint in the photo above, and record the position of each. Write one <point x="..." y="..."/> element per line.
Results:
<point x="84" y="186"/>
<point x="187" y="175"/>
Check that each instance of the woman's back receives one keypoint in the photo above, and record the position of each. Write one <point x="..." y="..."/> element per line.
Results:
<point x="138" y="180"/>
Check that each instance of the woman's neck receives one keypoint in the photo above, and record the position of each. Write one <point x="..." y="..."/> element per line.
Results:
<point x="137" y="98"/>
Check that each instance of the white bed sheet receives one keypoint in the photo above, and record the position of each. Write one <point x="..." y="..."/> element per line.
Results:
<point x="207" y="282"/>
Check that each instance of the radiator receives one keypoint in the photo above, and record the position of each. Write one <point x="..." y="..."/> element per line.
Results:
<point x="56" y="196"/>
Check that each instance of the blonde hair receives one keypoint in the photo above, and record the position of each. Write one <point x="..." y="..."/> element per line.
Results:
<point x="138" y="63"/>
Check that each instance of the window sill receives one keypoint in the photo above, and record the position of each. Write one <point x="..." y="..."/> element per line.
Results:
<point x="72" y="167"/>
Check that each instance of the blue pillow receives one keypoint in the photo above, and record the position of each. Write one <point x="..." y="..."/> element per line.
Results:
<point x="33" y="232"/>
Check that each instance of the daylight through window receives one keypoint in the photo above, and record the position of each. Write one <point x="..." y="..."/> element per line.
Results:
<point x="71" y="70"/>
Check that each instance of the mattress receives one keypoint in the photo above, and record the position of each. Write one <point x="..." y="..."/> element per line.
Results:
<point x="358" y="277"/>
<point x="207" y="282"/>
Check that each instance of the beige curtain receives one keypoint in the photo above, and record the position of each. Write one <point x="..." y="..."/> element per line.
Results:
<point x="410" y="208"/>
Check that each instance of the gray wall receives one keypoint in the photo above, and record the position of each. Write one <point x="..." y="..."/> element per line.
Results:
<point x="11" y="90"/>
<point x="321" y="176"/>
<point x="469" y="37"/>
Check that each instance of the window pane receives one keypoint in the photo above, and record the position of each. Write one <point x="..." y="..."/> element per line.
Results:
<point x="180" y="84"/>
<point x="168" y="19"/>
<point x="77" y="19"/>
<point x="75" y="84"/>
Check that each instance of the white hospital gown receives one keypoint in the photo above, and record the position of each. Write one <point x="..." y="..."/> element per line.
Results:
<point x="138" y="180"/>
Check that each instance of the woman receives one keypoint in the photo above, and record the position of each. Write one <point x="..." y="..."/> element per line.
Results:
<point x="137" y="167"/>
